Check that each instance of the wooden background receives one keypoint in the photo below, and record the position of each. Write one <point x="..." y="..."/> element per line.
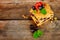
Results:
<point x="14" y="27"/>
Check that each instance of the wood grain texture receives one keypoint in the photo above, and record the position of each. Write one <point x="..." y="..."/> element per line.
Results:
<point x="19" y="30"/>
<point x="14" y="10"/>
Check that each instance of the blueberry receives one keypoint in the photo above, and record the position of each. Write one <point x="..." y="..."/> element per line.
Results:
<point x="32" y="27"/>
<point x="41" y="7"/>
<point x="32" y="31"/>
<point x="35" y="29"/>
<point x="33" y="8"/>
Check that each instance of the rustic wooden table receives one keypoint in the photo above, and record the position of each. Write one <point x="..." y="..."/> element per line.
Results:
<point x="19" y="30"/>
<point x="15" y="27"/>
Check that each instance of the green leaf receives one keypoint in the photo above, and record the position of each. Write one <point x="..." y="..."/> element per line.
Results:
<point x="37" y="33"/>
<point x="43" y="11"/>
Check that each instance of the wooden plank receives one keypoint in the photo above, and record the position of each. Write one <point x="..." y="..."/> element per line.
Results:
<point x="16" y="10"/>
<point x="19" y="30"/>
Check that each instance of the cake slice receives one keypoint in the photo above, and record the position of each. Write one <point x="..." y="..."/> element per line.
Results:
<point x="41" y="13"/>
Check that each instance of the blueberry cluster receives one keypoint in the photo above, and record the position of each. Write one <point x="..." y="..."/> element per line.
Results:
<point x="39" y="7"/>
<point x="33" y="28"/>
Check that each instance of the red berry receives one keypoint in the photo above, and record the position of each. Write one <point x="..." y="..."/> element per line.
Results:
<point x="38" y="4"/>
